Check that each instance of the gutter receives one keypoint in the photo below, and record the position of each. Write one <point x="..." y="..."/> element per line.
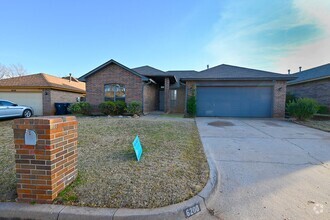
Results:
<point x="307" y="80"/>
<point x="239" y="79"/>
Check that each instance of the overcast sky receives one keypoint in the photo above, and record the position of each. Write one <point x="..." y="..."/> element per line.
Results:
<point x="75" y="36"/>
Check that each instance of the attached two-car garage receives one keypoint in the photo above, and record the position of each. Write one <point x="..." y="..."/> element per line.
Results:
<point x="32" y="99"/>
<point x="234" y="101"/>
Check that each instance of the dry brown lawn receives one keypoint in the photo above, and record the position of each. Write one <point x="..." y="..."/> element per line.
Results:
<point x="323" y="125"/>
<point x="173" y="167"/>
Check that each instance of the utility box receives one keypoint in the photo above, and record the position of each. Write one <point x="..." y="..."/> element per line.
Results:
<point x="46" y="156"/>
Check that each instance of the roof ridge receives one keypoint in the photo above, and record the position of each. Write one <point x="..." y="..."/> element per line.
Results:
<point x="312" y="68"/>
<point x="82" y="78"/>
<point x="247" y="68"/>
<point x="43" y="76"/>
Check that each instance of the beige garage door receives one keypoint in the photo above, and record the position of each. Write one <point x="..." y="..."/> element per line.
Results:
<point x="27" y="98"/>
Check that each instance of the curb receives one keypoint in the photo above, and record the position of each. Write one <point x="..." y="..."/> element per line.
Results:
<point x="12" y="210"/>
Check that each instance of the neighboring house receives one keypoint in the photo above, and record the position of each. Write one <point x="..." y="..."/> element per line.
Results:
<point x="41" y="91"/>
<point x="312" y="83"/>
<point x="223" y="90"/>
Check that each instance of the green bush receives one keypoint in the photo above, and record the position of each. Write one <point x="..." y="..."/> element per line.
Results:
<point x="303" y="108"/>
<point x="290" y="97"/>
<point x="108" y="108"/>
<point x="134" y="107"/>
<point x="80" y="108"/>
<point x="120" y="107"/>
<point x="192" y="106"/>
<point x="323" y="109"/>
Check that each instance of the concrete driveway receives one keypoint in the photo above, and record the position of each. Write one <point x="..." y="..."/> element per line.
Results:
<point x="268" y="169"/>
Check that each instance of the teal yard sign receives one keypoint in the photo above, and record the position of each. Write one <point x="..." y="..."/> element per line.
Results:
<point x="137" y="147"/>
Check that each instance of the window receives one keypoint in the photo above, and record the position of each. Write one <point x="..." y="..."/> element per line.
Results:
<point x="114" y="92"/>
<point x="5" y="103"/>
<point x="173" y="94"/>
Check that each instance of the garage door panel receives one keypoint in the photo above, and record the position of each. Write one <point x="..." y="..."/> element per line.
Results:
<point x="234" y="101"/>
<point x="29" y="99"/>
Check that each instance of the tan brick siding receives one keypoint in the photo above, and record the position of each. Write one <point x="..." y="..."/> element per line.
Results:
<point x="112" y="74"/>
<point x="61" y="96"/>
<point x="318" y="90"/>
<point x="279" y="99"/>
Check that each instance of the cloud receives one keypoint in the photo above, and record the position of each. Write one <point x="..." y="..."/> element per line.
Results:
<point x="270" y="36"/>
<point x="314" y="53"/>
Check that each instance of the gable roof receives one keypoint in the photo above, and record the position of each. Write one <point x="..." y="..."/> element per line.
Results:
<point x="182" y="73"/>
<point x="42" y="81"/>
<point x="149" y="71"/>
<point x="228" y="72"/>
<point x="83" y="78"/>
<point x="315" y="73"/>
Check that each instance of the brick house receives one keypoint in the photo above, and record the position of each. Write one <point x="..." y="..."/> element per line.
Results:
<point x="223" y="90"/>
<point x="312" y="83"/>
<point x="41" y="91"/>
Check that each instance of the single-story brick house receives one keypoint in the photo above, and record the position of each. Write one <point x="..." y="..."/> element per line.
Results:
<point x="41" y="91"/>
<point x="312" y="83"/>
<point x="223" y="90"/>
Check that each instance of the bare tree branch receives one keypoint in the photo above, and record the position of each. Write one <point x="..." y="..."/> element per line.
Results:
<point x="12" y="71"/>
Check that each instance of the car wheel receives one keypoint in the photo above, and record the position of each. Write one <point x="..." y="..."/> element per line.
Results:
<point x="27" y="113"/>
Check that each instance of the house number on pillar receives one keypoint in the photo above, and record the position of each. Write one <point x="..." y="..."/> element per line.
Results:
<point x="30" y="137"/>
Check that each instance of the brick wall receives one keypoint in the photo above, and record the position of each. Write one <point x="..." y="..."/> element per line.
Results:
<point x="279" y="99"/>
<point x="45" y="169"/>
<point x="112" y="74"/>
<point x="318" y="90"/>
<point x="150" y="98"/>
<point x="54" y="96"/>
<point x="180" y="100"/>
<point x="167" y="101"/>
<point x="46" y="102"/>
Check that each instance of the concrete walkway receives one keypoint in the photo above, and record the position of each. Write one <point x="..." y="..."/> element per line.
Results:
<point x="268" y="169"/>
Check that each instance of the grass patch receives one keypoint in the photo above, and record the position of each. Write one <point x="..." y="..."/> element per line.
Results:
<point x="68" y="195"/>
<point x="7" y="162"/>
<point x="173" y="167"/>
<point x="172" y="115"/>
<point x="323" y="125"/>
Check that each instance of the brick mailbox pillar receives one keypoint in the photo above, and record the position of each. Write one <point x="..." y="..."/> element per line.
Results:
<point x="46" y="156"/>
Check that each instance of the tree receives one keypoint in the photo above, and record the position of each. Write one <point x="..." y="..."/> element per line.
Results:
<point x="12" y="71"/>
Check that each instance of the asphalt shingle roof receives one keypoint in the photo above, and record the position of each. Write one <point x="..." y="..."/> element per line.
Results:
<point x="43" y="80"/>
<point x="149" y="71"/>
<point x="83" y="78"/>
<point x="316" y="73"/>
<point x="228" y="72"/>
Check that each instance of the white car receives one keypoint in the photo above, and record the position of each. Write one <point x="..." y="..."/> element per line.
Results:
<point x="9" y="109"/>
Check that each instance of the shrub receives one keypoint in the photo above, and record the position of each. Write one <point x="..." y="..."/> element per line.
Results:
<point x="192" y="106"/>
<point x="108" y="108"/>
<point x="303" y="108"/>
<point x="290" y="98"/>
<point x="120" y="107"/>
<point x="323" y="109"/>
<point x="80" y="108"/>
<point x="134" y="107"/>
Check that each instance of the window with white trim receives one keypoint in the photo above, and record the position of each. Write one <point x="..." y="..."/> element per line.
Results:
<point x="114" y="92"/>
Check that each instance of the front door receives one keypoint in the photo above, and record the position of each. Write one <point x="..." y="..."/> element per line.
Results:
<point x="161" y="100"/>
